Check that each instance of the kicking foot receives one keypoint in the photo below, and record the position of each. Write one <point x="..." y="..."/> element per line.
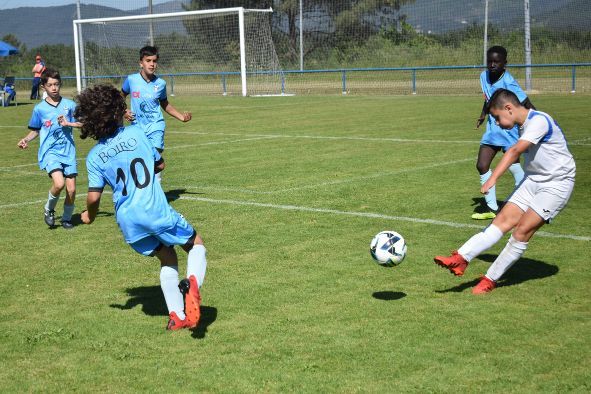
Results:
<point x="50" y="218"/>
<point x="175" y="323"/>
<point x="484" y="286"/>
<point x="487" y="215"/>
<point x="190" y="289"/>
<point x="455" y="263"/>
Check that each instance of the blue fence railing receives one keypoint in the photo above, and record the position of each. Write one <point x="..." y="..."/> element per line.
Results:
<point x="344" y="72"/>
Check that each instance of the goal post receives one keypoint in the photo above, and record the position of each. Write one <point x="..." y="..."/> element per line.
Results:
<point x="227" y="50"/>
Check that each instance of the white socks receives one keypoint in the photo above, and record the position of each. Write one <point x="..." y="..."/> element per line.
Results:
<point x="491" y="196"/>
<point x="51" y="202"/>
<point x="480" y="242"/>
<point x="169" y="283"/>
<point x="196" y="263"/>
<point x="512" y="252"/>
<point x="517" y="172"/>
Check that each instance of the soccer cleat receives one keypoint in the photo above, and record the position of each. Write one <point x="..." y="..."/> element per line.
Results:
<point x="67" y="224"/>
<point x="175" y="323"/>
<point x="455" y="263"/>
<point x="50" y="218"/>
<point x="190" y="289"/>
<point x="484" y="286"/>
<point x="484" y="215"/>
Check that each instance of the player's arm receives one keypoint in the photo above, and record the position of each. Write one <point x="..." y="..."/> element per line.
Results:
<point x="508" y="159"/>
<point x="172" y="111"/>
<point x="125" y="89"/>
<point x="24" y="143"/>
<point x="93" y="201"/>
<point x="65" y="123"/>
<point x="483" y="114"/>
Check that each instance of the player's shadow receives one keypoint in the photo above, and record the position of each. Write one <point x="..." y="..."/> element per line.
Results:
<point x="152" y="302"/>
<point x="479" y="204"/>
<point x="77" y="221"/>
<point x="175" y="194"/>
<point x="388" y="295"/>
<point x="524" y="269"/>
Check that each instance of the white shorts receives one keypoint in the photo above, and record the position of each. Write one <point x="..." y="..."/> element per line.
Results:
<point x="546" y="199"/>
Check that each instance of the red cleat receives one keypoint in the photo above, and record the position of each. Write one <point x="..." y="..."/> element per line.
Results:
<point x="484" y="286"/>
<point x="175" y="323"/>
<point x="192" y="301"/>
<point x="455" y="263"/>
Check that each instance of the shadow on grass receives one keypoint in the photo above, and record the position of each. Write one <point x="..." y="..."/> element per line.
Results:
<point x="524" y="269"/>
<point x="388" y="295"/>
<point x="77" y="221"/>
<point x="175" y="194"/>
<point x="479" y="204"/>
<point x="152" y="301"/>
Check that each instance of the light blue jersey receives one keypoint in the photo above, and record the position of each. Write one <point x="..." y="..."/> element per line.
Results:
<point x="495" y="135"/>
<point x="125" y="162"/>
<point x="145" y="104"/>
<point x="56" y="143"/>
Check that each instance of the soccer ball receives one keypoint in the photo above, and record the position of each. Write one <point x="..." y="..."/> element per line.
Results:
<point x="388" y="248"/>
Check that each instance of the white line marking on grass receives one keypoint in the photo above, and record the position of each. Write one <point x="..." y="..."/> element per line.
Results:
<point x="369" y="215"/>
<point x="220" y="142"/>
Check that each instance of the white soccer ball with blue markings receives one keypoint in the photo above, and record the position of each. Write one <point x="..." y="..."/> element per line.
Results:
<point x="388" y="248"/>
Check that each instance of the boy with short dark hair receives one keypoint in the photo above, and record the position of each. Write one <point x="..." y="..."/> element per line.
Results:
<point x="495" y="138"/>
<point x="126" y="160"/>
<point x="549" y="181"/>
<point x="148" y="95"/>
<point x="52" y="120"/>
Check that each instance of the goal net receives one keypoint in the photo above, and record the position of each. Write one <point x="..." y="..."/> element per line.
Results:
<point x="226" y="51"/>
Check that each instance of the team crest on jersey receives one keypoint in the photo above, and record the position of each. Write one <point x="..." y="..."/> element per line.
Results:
<point x="135" y="94"/>
<point x="47" y="123"/>
<point x="156" y="87"/>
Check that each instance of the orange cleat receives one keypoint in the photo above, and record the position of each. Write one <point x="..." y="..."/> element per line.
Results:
<point x="175" y="323"/>
<point x="190" y="289"/>
<point x="456" y="264"/>
<point x="484" y="286"/>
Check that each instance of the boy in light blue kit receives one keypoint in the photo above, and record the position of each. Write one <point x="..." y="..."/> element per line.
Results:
<point x="495" y="138"/>
<point x="52" y="120"/>
<point x="126" y="160"/>
<point x="148" y="95"/>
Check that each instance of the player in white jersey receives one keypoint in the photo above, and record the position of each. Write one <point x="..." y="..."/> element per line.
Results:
<point x="547" y="186"/>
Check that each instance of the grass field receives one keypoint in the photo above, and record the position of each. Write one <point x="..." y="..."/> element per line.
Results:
<point x="287" y="193"/>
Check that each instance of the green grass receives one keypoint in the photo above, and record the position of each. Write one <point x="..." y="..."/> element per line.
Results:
<point x="292" y="301"/>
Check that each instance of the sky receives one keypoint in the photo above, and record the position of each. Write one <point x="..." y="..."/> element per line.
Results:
<point x="121" y="4"/>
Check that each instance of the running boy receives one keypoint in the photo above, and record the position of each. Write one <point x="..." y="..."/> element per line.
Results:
<point x="495" y="138"/>
<point x="52" y="120"/>
<point x="547" y="186"/>
<point x="126" y="160"/>
<point x="148" y="94"/>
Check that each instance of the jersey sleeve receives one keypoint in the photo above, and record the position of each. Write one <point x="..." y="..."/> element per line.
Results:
<point x="157" y="157"/>
<point x="513" y="86"/>
<point x="96" y="181"/>
<point x="162" y="96"/>
<point x="71" y="117"/>
<point x="35" y="122"/>
<point x="537" y="128"/>
<point x="125" y="88"/>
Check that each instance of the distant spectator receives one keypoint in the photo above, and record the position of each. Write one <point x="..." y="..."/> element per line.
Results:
<point x="38" y="68"/>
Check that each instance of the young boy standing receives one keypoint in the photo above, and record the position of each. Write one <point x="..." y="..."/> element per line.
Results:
<point x="148" y="95"/>
<point x="52" y="121"/>
<point x="547" y="186"/>
<point x="495" y="138"/>
<point x="127" y="161"/>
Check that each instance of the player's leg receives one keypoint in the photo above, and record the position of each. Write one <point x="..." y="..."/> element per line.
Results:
<point x="517" y="172"/>
<point x="55" y="172"/>
<point x="486" y="154"/>
<point x="169" y="278"/>
<point x="70" y="175"/>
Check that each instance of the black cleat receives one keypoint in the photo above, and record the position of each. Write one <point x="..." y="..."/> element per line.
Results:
<point x="67" y="224"/>
<point x="50" y="218"/>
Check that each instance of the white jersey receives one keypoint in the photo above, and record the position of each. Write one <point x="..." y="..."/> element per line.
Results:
<point x="549" y="158"/>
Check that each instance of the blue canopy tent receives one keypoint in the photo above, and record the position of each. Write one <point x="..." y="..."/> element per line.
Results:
<point x="7" y="49"/>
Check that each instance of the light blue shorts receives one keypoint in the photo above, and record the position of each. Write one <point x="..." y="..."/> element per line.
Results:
<point x="157" y="139"/>
<point x="69" y="171"/>
<point x="180" y="234"/>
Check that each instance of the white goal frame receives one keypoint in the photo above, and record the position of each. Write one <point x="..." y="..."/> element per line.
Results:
<point x="79" y="50"/>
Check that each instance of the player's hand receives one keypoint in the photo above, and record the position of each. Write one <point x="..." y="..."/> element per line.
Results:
<point x="84" y="217"/>
<point x="479" y="122"/>
<point x="22" y="144"/>
<point x="186" y="117"/>
<point x="61" y="120"/>
<point x="129" y="116"/>
<point x="487" y="186"/>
